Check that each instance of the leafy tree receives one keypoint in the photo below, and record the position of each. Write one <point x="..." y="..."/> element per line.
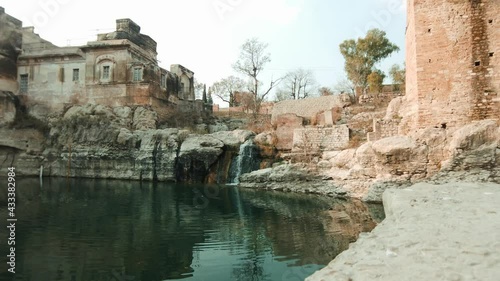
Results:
<point x="253" y="57"/>
<point x="363" y="54"/>
<point x="376" y="81"/>
<point x="226" y="88"/>
<point x="398" y="76"/>
<point x="298" y="84"/>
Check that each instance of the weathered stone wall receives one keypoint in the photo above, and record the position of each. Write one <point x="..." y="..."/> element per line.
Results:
<point x="384" y="128"/>
<point x="186" y="78"/>
<point x="101" y="72"/>
<point x="10" y="44"/>
<point x="453" y="71"/>
<point x="308" y="108"/>
<point x="265" y="108"/>
<point x="321" y="139"/>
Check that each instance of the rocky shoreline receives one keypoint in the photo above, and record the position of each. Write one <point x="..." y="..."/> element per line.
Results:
<point x="431" y="232"/>
<point x="436" y="155"/>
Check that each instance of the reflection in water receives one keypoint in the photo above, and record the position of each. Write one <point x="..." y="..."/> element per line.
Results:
<point x="93" y="230"/>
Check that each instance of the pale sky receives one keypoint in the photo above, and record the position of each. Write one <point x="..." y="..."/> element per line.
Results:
<point x="205" y="35"/>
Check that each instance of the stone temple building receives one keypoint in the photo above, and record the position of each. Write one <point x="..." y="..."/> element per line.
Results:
<point x="119" y="68"/>
<point x="452" y="62"/>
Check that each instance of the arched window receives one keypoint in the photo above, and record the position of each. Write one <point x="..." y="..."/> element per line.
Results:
<point x="105" y="69"/>
<point x="137" y="72"/>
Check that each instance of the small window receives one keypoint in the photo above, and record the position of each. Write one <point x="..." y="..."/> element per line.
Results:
<point x="61" y="74"/>
<point x="477" y="63"/>
<point x="163" y="81"/>
<point x="105" y="72"/>
<point x="490" y="21"/>
<point x="491" y="54"/>
<point x="23" y="87"/>
<point x="182" y="88"/>
<point x="137" y="74"/>
<point x="429" y="30"/>
<point x="76" y="74"/>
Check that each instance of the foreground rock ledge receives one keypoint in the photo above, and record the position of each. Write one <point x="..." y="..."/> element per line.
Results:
<point x="431" y="232"/>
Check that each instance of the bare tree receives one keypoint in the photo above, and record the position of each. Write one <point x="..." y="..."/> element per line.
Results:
<point x="253" y="57"/>
<point x="298" y="84"/>
<point x="226" y="88"/>
<point x="344" y="86"/>
<point x="198" y="89"/>
<point x="325" y="91"/>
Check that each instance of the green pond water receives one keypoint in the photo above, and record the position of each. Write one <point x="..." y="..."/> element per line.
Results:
<point x="93" y="230"/>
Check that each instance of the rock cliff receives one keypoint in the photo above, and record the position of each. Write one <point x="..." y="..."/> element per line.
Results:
<point x="95" y="141"/>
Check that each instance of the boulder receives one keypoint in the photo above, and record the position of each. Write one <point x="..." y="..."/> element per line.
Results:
<point x="144" y="119"/>
<point x="125" y="137"/>
<point x="285" y="125"/>
<point x="78" y="111"/>
<point x="233" y="139"/>
<point x="218" y="127"/>
<point x="474" y="135"/>
<point x="342" y="159"/>
<point x="394" y="108"/>
<point x="123" y="115"/>
<point x="197" y="154"/>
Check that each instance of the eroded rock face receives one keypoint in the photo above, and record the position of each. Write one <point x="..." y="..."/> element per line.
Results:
<point x="266" y="142"/>
<point x="7" y="108"/>
<point x="402" y="160"/>
<point x="144" y="119"/>
<point x="96" y="141"/>
<point x="197" y="154"/>
<point x="285" y="125"/>
<point x="234" y="138"/>
<point x="208" y="158"/>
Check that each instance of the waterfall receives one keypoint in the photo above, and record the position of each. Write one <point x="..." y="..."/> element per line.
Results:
<point x="246" y="161"/>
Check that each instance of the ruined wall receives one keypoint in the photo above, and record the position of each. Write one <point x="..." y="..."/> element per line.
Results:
<point x="452" y="61"/>
<point x="186" y="80"/>
<point x="384" y="128"/>
<point x="309" y="107"/>
<point x="321" y="139"/>
<point x="129" y="30"/>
